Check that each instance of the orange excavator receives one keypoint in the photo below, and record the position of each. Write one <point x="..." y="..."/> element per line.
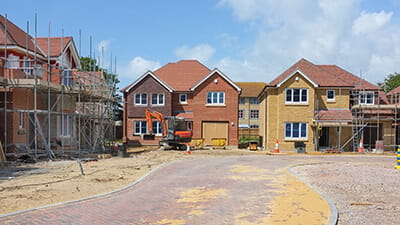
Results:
<point x="174" y="132"/>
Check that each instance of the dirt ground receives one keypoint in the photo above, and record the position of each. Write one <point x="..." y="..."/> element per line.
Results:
<point x="24" y="186"/>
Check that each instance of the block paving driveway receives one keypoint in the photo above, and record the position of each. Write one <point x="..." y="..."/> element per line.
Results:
<point x="216" y="190"/>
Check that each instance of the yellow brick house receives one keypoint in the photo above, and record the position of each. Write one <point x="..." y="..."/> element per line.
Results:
<point x="310" y="105"/>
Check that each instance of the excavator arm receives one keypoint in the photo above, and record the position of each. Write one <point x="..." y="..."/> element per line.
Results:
<point x="152" y="114"/>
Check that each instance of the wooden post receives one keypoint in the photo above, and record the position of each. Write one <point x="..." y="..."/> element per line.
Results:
<point x="2" y="154"/>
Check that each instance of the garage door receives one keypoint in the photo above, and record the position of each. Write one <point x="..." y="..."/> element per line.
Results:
<point x="214" y="130"/>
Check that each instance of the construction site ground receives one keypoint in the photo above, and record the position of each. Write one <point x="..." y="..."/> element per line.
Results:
<point x="206" y="187"/>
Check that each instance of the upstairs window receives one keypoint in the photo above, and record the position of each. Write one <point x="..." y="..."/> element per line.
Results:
<point x="12" y="62"/>
<point x="241" y="114"/>
<point x="296" y="95"/>
<point x="254" y="126"/>
<point x="330" y="95"/>
<point x="141" y="99"/>
<point x="215" y="98"/>
<point x="157" y="99"/>
<point x="254" y="101"/>
<point x="254" y="114"/>
<point x="367" y="98"/>
<point x="295" y="130"/>
<point x="241" y="101"/>
<point x="66" y="76"/>
<point x="27" y="66"/>
<point x="183" y="98"/>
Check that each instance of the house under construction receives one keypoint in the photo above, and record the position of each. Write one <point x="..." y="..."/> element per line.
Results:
<point x="48" y="106"/>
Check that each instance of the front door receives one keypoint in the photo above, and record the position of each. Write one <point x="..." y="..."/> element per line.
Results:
<point x="324" y="137"/>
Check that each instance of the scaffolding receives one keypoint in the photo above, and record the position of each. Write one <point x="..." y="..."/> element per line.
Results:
<point x="49" y="110"/>
<point x="374" y="120"/>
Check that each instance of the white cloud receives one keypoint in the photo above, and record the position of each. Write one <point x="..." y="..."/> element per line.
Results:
<point x="201" y="52"/>
<point x="134" y="69"/>
<point x="370" y="22"/>
<point x="321" y="31"/>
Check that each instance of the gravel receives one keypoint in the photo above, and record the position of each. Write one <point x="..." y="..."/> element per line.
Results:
<point x="365" y="189"/>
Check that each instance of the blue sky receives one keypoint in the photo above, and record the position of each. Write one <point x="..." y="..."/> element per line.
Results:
<point x="249" y="40"/>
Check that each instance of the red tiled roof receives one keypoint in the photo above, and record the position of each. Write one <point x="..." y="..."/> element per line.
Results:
<point x="250" y="89"/>
<point x="325" y="75"/>
<point x="335" y="115"/>
<point x="384" y="99"/>
<point x="57" y="45"/>
<point x="16" y="36"/>
<point x="182" y="75"/>
<point x="349" y="78"/>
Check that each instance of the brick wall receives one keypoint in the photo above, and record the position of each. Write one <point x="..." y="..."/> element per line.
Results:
<point x="227" y="113"/>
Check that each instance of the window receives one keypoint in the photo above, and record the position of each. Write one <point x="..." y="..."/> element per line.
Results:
<point x="330" y="95"/>
<point x="141" y="99"/>
<point x="254" y="114"/>
<point x="241" y="101"/>
<point x="20" y="120"/>
<point x="183" y="98"/>
<point x="66" y="77"/>
<point x="295" y="130"/>
<point x="140" y="127"/>
<point x="27" y="66"/>
<point x="157" y="99"/>
<point x="367" y="98"/>
<point x="66" y="125"/>
<point x="215" y="98"/>
<point x="254" y="126"/>
<point x="296" y="95"/>
<point x="254" y="101"/>
<point x="241" y="114"/>
<point x="12" y="62"/>
<point x="157" y="129"/>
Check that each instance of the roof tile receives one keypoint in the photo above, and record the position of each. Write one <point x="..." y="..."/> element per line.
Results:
<point x="182" y="75"/>
<point x="250" y="89"/>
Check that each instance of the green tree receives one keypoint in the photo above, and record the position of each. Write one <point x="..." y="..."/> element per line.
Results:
<point x="88" y="64"/>
<point x="390" y="82"/>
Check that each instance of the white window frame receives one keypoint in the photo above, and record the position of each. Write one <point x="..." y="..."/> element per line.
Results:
<point x="140" y="122"/>
<point x="66" y="77"/>
<point x="363" y="98"/>
<point x="180" y="99"/>
<point x="160" y="99"/>
<point x="141" y="99"/>
<point x="241" y="115"/>
<point x="66" y="126"/>
<point x="157" y="129"/>
<point x="27" y="66"/>
<point x="253" y="112"/>
<point x="291" y="101"/>
<point x="291" y="136"/>
<point x="214" y="98"/>
<point x="254" y="101"/>
<point x="327" y="96"/>
<point x="242" y="101"/>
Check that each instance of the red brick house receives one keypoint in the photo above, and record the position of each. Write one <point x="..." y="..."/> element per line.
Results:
<point x="206" y="98"/>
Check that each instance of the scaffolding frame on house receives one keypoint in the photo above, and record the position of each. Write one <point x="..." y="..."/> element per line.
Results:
<point x="72" y="111"/>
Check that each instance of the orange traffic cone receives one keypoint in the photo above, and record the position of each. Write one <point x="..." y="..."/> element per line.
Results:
<point x="276" y="146"/>
<point x="188" y="149"/>
<point x="361" y="147"/>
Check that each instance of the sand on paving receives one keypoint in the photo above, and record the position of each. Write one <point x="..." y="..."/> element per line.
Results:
<point x="45" y="183"/>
